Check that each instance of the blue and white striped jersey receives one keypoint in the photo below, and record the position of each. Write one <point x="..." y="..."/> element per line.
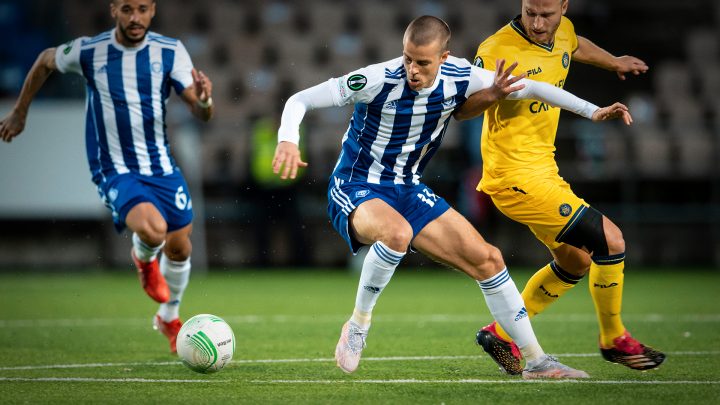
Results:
<point x="394" y="130"/>
<point x="127" y="92"/>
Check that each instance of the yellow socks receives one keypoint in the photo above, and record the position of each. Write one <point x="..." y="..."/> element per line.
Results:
<point x="606" y="286"/>
<point x="544" y="287"/>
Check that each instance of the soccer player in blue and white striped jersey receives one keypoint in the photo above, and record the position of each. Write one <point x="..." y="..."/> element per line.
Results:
<point x="130" y="73"/>
<point x="375" y="197"/>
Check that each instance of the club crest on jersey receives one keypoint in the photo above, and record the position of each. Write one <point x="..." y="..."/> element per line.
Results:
<point x="156" y="67"/>
<point x="356" y="82"/>
<point x="565" y="210"/>
<point x="113" y="194"/>
<point x="449" y="102"/>
<point x="566" y="60"/>
<point x="362" y="193"/>
<point x="478" y="61"/>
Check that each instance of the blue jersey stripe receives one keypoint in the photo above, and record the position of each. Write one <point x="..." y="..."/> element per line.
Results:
<point x="168" y="59"/>
<point x="401" y="128"/>
<point x="432" y="117"/>
<point x="364" y="125"/>
<point x="448" y="68"/>
<point x="161" y="42"/>
<point x="460" y="98"/>
<point x="144" y="79"/>
<point x="96" y="141"/>
<point x="122" y="113"/>
<point x="432" y="148"/>
<point x="98" y="38"/>
<point x="159" y="38"/>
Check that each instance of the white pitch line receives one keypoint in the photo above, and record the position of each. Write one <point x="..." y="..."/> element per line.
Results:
<point x="475" y="381"/>
<point x="316" y="360"/>
<point x="90" y="365"/>
<point x="113" y="380"/>
<point x="305" y="319"/>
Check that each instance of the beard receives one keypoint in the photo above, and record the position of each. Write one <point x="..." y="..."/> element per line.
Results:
<point x="128" y="38"/>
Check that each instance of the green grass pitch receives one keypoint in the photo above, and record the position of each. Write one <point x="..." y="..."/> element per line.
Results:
<point x="88" y="338"/>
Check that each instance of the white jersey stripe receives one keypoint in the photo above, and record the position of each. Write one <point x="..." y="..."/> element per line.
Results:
<point x="157" y="106"/>
<point x="108" y="112"/>
<point x="132" y="97"/>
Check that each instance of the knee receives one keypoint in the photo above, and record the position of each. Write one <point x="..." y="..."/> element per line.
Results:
<point x="488" y="262"/>
<point x="615" y="241"/>
<point x="577" y="264"/>
<point x="152" y="232"/>
<point x="178" y="250"/>
<point x="398" y="237"/>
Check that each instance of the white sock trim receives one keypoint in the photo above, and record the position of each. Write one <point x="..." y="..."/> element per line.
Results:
<point x="143" y="252"/>
<point x="508" y="308"/>
<point x="386" y="254"/>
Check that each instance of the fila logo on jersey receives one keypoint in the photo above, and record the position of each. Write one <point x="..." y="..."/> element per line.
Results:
<point x="534" y="71"/>
<point x="356" y="82"/>
<point x="566" y="60"/>
<point x="565" y="210"/>
<point x="478" y="62"/>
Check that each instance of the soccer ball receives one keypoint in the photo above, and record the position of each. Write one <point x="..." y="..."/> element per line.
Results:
<point x="205" y="343"/>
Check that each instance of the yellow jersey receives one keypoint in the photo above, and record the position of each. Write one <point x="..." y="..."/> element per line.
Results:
<point x="518" y="136"/>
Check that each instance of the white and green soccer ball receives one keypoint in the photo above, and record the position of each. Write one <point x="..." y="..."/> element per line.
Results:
<point x="205" y="343"/>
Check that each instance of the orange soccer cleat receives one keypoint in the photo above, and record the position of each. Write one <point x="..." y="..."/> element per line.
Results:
<point x="169" y="329"/>
<point x="152" y="279"/>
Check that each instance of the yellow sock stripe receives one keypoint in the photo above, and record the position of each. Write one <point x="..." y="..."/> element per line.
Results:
<point x="564" y="275"/>
<point x="608" y="260"/>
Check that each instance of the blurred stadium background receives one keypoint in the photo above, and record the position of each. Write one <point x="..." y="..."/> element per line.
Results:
<point x="657" y="179"/>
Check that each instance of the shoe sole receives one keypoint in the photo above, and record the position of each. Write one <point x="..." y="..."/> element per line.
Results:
<point x="645" y="367"/>
<point x="484" y="342"/>
<point x="557" y="375"/>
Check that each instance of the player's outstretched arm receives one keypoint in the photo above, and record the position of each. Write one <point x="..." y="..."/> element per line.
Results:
<point x="14" y="122"/>
<point x="287" y="158"/>
<point x="615" y="111"/>
<point x="502" y="86"/>
<point x="199" y="96"/>
<point x="588" y="52"/>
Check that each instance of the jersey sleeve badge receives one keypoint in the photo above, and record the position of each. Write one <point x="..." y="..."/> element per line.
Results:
<point x="356" y="82"/>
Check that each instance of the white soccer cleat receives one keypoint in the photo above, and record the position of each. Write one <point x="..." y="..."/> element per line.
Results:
<point x="549" y="367"/>
<point x="350" y="346"/>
